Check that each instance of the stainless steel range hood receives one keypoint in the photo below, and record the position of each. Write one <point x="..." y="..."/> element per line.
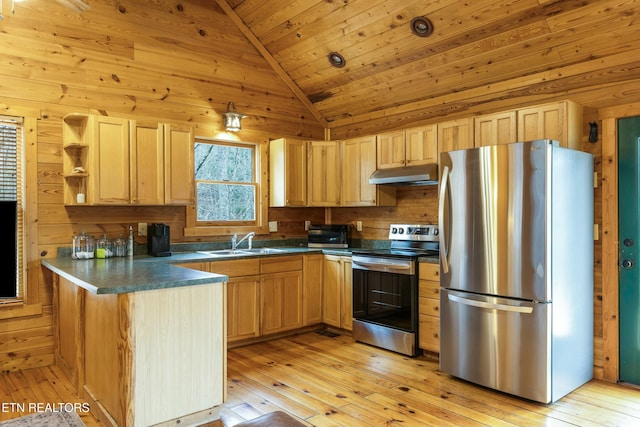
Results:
<point x="410" y="175"/>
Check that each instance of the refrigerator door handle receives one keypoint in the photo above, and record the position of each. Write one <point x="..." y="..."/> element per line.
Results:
<point x="444" y="262"/>
<point x="482" y="304"/>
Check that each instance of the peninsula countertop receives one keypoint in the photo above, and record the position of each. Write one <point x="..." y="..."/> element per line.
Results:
<point x="129" y="274"/>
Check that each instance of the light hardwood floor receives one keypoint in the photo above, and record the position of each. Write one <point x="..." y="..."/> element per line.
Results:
<point x="325" y="381"/>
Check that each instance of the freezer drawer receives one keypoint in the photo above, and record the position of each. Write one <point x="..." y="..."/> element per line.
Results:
<point x="499" y="343"/>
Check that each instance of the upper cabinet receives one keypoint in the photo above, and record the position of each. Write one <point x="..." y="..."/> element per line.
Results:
<point x="455" y="135"/>
<point x="561" y="121"/>
<point x="179" y="176"/>
<point x="410" y="147"/>
<point x="287" y="172"/>
<point x="324" y="178"/>
<point x="128" y="162"/>
<point x="358" y="163"/>
<point x="499" y="128"/>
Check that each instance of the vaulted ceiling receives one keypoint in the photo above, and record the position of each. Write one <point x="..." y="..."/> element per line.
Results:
<point x="483" y="55"/>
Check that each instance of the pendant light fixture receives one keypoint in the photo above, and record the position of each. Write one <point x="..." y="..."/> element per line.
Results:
<point x="232" y="118"/>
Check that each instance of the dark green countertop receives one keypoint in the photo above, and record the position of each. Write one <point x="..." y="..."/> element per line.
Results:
<point x="144" y="272"/>
<point x="128" y="274"/>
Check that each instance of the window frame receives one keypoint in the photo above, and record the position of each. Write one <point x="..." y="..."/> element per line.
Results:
<point x="260" y="225"/>
<point x="28" y="303"/>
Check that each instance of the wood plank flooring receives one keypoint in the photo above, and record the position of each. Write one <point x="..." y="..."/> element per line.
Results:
<point x="325" y="381"/>
<point x="331" y="382"/>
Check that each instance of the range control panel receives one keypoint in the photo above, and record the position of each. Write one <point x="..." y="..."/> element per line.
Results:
<point x="428" y="232"/>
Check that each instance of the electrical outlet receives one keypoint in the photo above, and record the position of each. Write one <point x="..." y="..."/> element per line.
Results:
<point x="273" y="226"/>
<point x="142" y="229"/>
<point x="359" y="225"/>
<point x="307" y="224"/>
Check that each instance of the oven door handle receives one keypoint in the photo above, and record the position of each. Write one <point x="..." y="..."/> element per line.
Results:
<point x="380" y="265"/>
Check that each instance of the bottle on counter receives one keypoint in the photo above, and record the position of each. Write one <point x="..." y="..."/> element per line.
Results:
<point x="130" y="242"/>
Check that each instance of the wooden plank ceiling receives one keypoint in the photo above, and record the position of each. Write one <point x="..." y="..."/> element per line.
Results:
<point x="483" y="56"/>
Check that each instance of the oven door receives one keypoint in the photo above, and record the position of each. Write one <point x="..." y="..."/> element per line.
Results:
<point x="385" y="292"/>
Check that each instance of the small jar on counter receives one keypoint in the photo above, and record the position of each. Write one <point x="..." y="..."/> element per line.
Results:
<point x="83" y="246"/>
<point x="104" y="247"/>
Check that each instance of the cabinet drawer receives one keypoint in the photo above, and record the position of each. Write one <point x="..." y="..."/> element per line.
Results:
<point x="429" y="333"/>
<point x="280" y="264"/>
<point x="429" y="306"/>
<point x="236" y="268"/>
<point x="429" y="289"/>
<point x="429" y="271"/>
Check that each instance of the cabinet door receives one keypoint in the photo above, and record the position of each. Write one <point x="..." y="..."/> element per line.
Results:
<point x="312" y="291"/>
<point x="287" y="172"/>
<point x="421" y="145"/>
<point x="331" y="292"/>
<point x="178" y="174"/>
<point x="542" y="122"/>
<point x="455" y="135"/>
<point x="358" y="163"/>
<point x="347" y="294"/>
<point x="391" y="150"/>
<point x="242" y="308"/>
<point x="281" y="295"/>
<point x="146" y="144"/>
<point x="111" y="153"/>
<point x="324" y="173"/>
<point x="494" y="129"/>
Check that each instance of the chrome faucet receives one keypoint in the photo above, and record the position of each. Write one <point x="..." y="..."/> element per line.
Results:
<point x="235" y="242"/>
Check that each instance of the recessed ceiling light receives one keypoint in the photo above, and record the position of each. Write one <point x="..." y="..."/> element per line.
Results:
<point x="337" y="60"/>
<point x="421" y="26"/>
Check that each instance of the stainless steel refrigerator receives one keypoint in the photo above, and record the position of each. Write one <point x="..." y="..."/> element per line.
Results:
<point x="516" y="268"/>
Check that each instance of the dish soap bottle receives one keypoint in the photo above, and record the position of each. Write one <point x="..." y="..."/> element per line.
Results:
<point x="130" y="242"/>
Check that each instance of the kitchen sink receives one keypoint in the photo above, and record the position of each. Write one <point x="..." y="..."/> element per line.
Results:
<point x="262" y="251"/>
<point x="241" y="252"/>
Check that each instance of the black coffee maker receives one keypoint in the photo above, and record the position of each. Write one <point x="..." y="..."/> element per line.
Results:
<point x="158" y="240"/>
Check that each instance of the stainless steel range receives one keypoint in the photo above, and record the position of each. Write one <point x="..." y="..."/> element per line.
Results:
<point x="385" y="288"/>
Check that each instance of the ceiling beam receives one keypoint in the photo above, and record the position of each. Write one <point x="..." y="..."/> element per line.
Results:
<point x="272" y="61"/>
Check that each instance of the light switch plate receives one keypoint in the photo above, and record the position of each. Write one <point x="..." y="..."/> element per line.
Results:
<point x="273" y="226"/>
<point x="142" y="229"/>
<point x="359" y="225"/>
<point x="307" y="224"/>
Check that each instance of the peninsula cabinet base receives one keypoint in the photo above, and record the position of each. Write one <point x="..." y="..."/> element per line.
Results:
<point x="153" y="357"/>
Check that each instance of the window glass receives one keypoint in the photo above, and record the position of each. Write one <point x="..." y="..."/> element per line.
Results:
<point x="10" y="201"/>
<point x="226" y="187"/>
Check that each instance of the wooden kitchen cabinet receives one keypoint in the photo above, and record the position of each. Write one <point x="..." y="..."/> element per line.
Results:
<point x="287" y="173"/>
<point x="312" y="271"/>
<point x="358" y="163"/>
<point x="429" y="307"/>
<point x="391" y="150"/>
<point x="146" y="145"/>
<point x="499" y="128"/>
<point x="127" y="162"/>
<point x="111" y="178"/>
<point x="455" y="135"/>
<point x="324" y="177"/>
<point x="243" y="297"/>
<point x="179" y="177"/>
<point x="281" y="294"/>
<point x="410" y="147"/>
<point x="561" y="121"/>
<point x="337" y="298"/>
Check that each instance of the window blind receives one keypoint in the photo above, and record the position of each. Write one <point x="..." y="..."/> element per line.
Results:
<point x="11" y="203"/>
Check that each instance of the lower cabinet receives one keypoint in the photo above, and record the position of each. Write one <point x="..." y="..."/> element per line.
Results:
<point x="429" y="307"/>
<point x="337" y="298"/>
<point x="243" y="295"/>
<point x="280" y="294"/>
<point x="313" y="275"/>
